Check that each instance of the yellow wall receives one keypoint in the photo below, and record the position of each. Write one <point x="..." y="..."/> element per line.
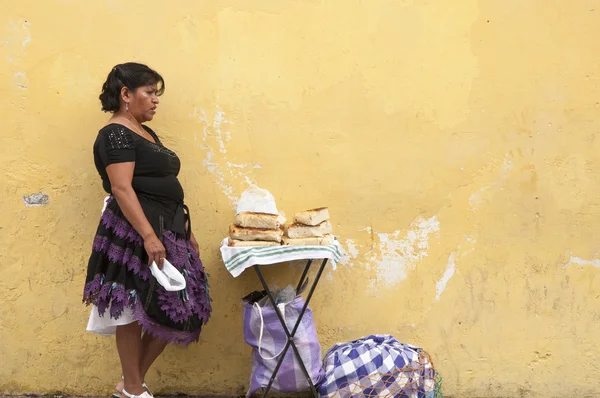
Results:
<point x="454" y="141"/>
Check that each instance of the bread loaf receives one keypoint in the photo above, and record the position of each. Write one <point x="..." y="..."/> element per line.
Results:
<point x="240" y="233"/>
<point x="313" y="241"/>
<point x="248" y="219"/>
<point x="251" y="243"/>
<point x="295" y="231"/>
<point x="312" y="217"/>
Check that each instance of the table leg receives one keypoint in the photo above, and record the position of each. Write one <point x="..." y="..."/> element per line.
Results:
<point x="306" y="268"/>
<point x="290" y="336"/>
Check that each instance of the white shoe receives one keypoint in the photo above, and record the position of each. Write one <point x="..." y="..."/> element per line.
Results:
<point x="145" y="394"/>
<point x="117" y="393"/>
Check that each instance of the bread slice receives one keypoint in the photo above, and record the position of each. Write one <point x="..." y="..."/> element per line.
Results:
<point x="250" y="243"/>
<point x="295" y="231"/>
<point x="314" y="241"/>
<point x="240" y="233"/>
<point x="312" y="217"/>
<point x="248" y="219"/>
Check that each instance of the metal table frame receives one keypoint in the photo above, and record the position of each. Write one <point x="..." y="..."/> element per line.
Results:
<point x="290" y="336"/>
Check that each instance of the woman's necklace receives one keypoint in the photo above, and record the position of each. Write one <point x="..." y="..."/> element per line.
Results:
<point x="138" y="129"/>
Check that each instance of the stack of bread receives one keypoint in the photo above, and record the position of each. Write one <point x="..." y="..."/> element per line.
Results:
<point x="256" y="229"/>
<point x="310" y="228"/>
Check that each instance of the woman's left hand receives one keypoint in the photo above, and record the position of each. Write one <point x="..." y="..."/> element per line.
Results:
<point x="194" y="244"/>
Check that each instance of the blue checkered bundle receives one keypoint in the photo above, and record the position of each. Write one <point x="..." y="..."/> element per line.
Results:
<point x="377" y="366"/>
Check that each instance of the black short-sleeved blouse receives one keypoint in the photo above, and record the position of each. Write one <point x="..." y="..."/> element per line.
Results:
<point x="154" y="177"/>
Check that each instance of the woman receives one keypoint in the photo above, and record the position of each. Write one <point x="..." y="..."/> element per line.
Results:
<point x="144" y="221"/>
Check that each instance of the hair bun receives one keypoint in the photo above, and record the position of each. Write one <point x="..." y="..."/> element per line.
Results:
<point x="131" y="75"/>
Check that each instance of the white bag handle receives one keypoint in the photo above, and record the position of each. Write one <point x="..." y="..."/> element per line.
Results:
<point x="169" y="277"/>
<point x="262" y="326"/>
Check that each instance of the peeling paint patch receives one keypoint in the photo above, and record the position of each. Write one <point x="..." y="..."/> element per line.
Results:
<point x="214" y="143"/>
<point x="581" y="262"/>
<point x="464" y="248"/>
<point x="440" y="286"/>
<point x="36" y="199"/>
<point x="399" y="255"/>
<point x="350" y="251"/>
<point x="351" y="248"/>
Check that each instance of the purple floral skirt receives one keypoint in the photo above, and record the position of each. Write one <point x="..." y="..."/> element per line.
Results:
<point x="118" y="276"/>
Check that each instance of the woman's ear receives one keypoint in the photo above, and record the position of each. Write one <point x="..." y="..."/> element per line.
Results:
<point x="125" y="94"/>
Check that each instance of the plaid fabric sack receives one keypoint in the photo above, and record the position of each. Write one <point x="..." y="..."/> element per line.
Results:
<point x="377" y="366"/>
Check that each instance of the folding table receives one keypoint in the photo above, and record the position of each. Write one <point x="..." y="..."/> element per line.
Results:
<point x="238" y="259"/>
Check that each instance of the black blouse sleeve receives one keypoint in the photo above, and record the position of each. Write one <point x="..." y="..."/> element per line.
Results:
<point x="116" y="145"/>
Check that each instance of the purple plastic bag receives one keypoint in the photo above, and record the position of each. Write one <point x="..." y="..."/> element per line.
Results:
<point x="268" y="345"/>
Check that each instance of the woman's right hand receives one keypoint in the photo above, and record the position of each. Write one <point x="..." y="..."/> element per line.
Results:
<point x="155" y="249"/>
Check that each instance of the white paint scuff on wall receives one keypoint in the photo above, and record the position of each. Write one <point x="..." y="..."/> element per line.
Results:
<point x="466" y="247"/>
<point x="18" y="36"/>
<point x="16" y="39"/>
<point x="21" y="80"/>
<point x="581" y="262"/>
<point x="36" y="200"/>
<point x="440" y="286"/>
<point x="214" y="144"/>
<point x="398" y="256"/>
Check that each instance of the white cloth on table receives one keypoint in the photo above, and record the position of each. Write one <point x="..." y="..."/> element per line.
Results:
<point x="238" y="259"/>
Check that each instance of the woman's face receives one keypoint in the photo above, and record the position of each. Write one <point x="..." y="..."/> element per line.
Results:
<point x="143" y="102"/>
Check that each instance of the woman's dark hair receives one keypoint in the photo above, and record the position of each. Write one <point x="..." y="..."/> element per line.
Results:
<point x="131" y="75"/>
